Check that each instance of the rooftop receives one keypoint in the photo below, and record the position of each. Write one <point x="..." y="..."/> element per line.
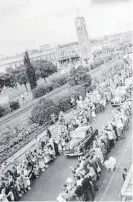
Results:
<point x="94" y="41"/>
<point x="69" y="44"/>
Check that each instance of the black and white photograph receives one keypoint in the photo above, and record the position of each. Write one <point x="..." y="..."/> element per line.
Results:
<point x="66" y="84"/>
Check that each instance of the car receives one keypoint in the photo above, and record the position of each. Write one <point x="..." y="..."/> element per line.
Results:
<point x="118" y="97"/>
<point x="81" y="140"/>
<point x="116" y="101"/>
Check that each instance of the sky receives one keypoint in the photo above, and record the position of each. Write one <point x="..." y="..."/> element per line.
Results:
<point x="27" y="24"/>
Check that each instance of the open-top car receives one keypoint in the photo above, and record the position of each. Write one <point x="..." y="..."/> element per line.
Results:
<point x="81" y="140"/>
<point x="118" y="96"/>
<point x="121" y="92"/>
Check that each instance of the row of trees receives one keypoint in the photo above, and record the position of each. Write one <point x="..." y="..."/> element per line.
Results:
<point x="27" y="73"/>
<point x="7" y="80"/>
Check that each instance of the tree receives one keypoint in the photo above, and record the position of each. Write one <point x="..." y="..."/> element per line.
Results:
<point x="44" y="68"/>
<point x="11" y="71"/>
<point x="30" y="71"/>
<point x="20" y="75"/>
<point x="79" y="76"/>
<point x="7" y="80"/>
<point x="83" y="77"/>
<point x="1" y="82"/>
<point x="72" y="79"/>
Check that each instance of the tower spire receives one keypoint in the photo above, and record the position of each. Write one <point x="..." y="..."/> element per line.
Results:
<point x="77" y="12"/>
<point x="83" y="39"/>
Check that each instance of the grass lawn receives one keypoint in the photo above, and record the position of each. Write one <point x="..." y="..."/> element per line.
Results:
<point x="15" y="92"/>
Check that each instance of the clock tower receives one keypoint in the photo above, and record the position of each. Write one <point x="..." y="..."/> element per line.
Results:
<point x="83" y="39"/>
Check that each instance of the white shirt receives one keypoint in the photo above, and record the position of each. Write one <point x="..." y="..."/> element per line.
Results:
<point x="119" y="123"/>
<point x="110" y="135"/>
<point x="79" y="182"/>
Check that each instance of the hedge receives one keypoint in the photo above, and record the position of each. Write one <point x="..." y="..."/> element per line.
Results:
<point x="14" y="105"/>
<point x="96" y="63"/>
<point x="55" y="81"/>
<point x="64" y="104"/>
<point x="43" y="110"/>
<point x="7" y="108"/>
<point x="42" y="90"/>
<point x="59" y="79"/>
<point x="4" y="109"/>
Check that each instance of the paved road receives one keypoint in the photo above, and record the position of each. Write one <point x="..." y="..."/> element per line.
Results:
<point x="48" y="186"/>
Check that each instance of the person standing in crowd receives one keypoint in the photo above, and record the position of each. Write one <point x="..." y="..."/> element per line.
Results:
<point x="88" y="189"/>
<point x="124" y="174"/>
<point x="48" y="133"/>
<point x="79" y="193"/>
<point x="115" y="128"/>
<point x="110" y="138"/>
<point x="93" y="164"/>
<point x="79" y="180"/>
<point x="40" y="157"/>
<point x="119" y="125"/>
<point x="73" y="101"/>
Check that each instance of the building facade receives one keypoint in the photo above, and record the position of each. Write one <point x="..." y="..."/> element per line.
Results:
<point x="68" y="54"/>
<point x="60" y="55"/>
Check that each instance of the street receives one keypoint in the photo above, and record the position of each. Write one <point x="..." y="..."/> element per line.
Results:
<point x="48" y="186"/>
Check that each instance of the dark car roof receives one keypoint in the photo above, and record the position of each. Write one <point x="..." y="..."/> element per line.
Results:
<point x="82" y="140"/>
